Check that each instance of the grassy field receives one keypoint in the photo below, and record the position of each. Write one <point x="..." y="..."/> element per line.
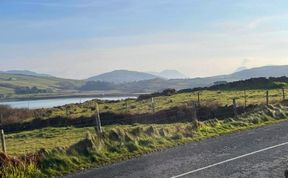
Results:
<point x="133" y="106"/>
<point x="70" y="149"/>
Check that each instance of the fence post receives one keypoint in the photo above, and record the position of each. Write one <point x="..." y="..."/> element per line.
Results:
<point x="2" y="136"/>
<point x="98" y="127"/>
<point x="235" y="107"/>
<point x="194" y="110"/>
<point x="66" y="110"/>
<point x="152" y="105"/>
<point x="126" y="106"/>
<point x="245" y="99"/>
<point x="267" y="97"/>
<point x="3" y="141"/>
<point x="283" y="92"/>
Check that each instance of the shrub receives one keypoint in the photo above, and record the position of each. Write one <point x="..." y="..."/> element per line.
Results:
<point x="11" y="115"/>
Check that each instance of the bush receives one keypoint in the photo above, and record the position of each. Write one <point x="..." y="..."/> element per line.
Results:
<point x="11" y="115"/>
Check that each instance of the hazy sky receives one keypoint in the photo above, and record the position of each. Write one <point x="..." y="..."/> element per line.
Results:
<point x="79" y="38"/>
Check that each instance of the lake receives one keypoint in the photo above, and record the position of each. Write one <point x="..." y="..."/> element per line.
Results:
<point x="49" y="103"/>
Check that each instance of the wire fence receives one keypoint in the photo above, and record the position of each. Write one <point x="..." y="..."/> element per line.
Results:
<point x="193" y="106"/>
<point x="152" y="110"/>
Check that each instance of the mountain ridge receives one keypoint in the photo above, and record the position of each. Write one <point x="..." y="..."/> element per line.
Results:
<point x="169" y="74"/>
<point x="122" y="76"/>
<point x="26" y="72"/>
<point x="10" y="82"/>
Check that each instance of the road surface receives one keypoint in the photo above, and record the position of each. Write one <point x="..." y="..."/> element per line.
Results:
<point x="261" y="152"/>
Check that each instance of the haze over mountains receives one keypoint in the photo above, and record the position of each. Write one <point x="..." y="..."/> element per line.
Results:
<point x="123" y="81"/>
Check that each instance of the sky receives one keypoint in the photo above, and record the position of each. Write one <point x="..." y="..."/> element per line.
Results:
<point x="81" y="38"/>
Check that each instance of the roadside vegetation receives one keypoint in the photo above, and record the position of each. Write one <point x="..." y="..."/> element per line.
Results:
<point x="64" y="150"/>
<point x="134" y="106"/>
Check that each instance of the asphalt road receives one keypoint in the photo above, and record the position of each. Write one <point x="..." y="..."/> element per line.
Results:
<point x="261" y="152"/>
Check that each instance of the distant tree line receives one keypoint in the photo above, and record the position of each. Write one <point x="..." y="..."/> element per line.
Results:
<point x="32" y="90"/>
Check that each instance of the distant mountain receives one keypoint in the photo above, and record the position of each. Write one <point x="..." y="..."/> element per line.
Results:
<point x="160" y="84"/>
<point x="26" y="72"/>
<point x="170" y="74"/>
<point x="123" y="81"/>
<point x="122" y="76"/>
<point x="266" y="71"/>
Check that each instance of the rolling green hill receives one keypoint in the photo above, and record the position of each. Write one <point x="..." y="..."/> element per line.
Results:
<point x="9" y="82"/>
<point x="135" y="82"/>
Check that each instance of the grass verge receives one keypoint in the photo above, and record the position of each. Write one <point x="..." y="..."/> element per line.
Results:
<point x="72" y="149"/>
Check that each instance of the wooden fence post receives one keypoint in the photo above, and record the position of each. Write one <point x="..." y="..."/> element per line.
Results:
<point x="98" y="127"/>
<point x="2" y="135"/>
<point x="267" y="97"/>
<point x="152" y="105"/>
<point x="283" y="93"/>
<point x="126" y="106"/>
<point x="3" y="141"/>
<point x="66" y="110"/>
<point x="235" y="107"/>
<point x="245" y="99"/>
<point x="194" y="111"/>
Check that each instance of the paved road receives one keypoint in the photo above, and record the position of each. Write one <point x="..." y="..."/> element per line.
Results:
<point x="261" y="152"/>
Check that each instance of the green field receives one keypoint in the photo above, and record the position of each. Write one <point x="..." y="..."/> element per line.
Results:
<point x="207" y="98"/>
<point x="69" y="149"/>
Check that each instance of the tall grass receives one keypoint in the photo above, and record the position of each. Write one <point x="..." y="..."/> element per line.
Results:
<point x="84" y="149"/>
<point x="16" y="168"/>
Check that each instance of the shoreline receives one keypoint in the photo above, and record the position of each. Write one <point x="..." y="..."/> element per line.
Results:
<point x="66" y="96"/>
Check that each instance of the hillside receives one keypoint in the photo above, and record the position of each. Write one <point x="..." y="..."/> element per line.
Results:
<point x="9" y="82"/>
<point x="122" y="76"/>
<point x="26" y="72"/>
<point x="266" y="71"/>
<point x="123" y="81"/>
<point x="170" y="74"/>
<point x="161" y="84"/>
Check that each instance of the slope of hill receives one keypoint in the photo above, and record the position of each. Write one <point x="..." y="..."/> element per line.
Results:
<point x="266" y="71"/>
<point x="178" y="84"/>
<point x="26" y="72"/>
<point x="260" y="83"/>
<point x="9" y="82"/>
<point x="122" y="81"/>
<point x="122" y="76"/>
<point x="170" y="74"/>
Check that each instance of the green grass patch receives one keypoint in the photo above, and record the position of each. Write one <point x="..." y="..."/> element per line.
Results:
<point x="207" y="98"/>
<point x="71" y="149"/>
